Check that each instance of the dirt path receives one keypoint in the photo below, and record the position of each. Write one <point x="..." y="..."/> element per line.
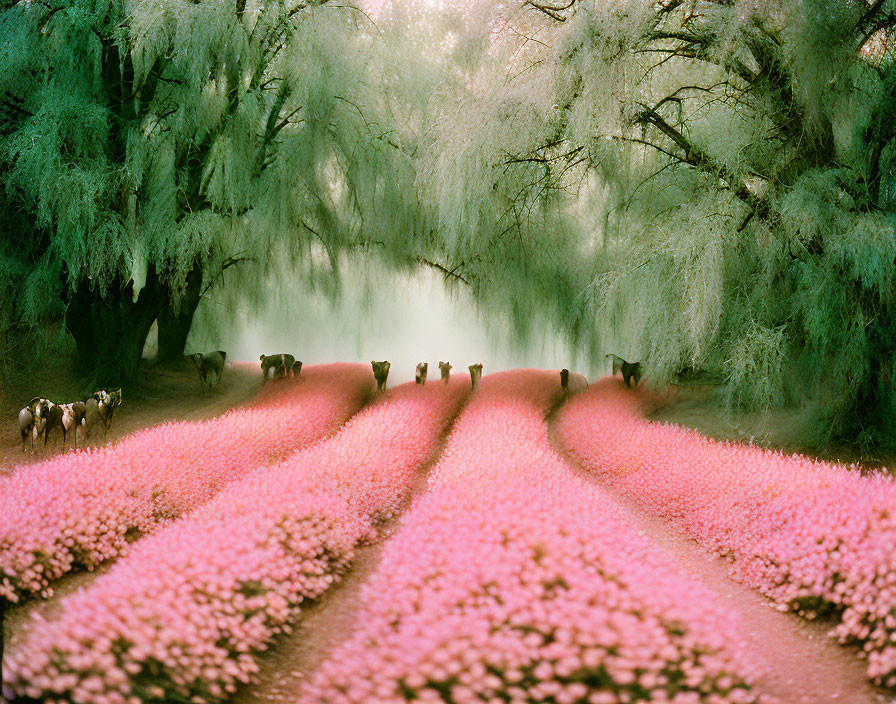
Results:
<point x="801" y="664"/>
<point x="787" y="429"/>
<point x="324" y="624"/>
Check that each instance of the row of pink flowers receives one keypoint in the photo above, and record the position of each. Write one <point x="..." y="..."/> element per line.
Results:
<point x="84" y="508"/>
<point x="182" y="617"/>
<point x="513" y="580"/>
<point x="813" y="536"/>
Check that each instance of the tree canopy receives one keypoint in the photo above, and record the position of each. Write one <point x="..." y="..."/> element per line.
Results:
<point x="709" y="186"/>
<point x="149" y="147"/>
<point x="705" y="185"/>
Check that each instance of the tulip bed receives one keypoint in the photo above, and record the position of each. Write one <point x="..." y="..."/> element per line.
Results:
<point x="513" y="580"/>
<point x="182" y="616"/>
<point x="813" y="536"/>
<point x="84" y="508"/>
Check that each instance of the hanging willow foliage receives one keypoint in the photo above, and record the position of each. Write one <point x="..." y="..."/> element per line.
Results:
<point x="715" y="180"/>
<point x="155" y="146"/>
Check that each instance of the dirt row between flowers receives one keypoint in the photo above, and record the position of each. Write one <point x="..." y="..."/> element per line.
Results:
<point x="187" y="611"/>
<point x="168" y="395"/>
<point x="800" y="663"/>
<point x="324" y="624"/>
<point x="801" y="548"/>
<point x="165" y="394"/>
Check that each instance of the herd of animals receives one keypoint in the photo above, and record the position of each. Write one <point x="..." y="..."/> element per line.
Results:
<point x="42" y="415"/>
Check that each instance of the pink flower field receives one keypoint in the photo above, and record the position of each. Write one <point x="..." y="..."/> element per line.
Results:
<point x="84" y="508"/>
<point x="513" y="580"/>
<point x="814" y="537"/>
<point x="501" y="575"/>
<point x="181" y="617"/>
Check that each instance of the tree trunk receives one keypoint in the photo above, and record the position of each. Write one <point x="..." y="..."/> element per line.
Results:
<point x="174" y="327"/>
<point x="110" y="331"/>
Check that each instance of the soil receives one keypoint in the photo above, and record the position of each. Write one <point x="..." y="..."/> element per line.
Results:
<point x="324" y="624"/>
<point x="788" y="429"/>
<point x="799" y="662"/>
<point x="164" y="394"/>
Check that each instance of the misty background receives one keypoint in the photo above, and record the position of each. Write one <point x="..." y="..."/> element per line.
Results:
<point x="403" y="317"/>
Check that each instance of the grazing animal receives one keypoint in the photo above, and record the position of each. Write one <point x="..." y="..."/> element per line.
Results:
<point x="297" y="367"/>
<point x="210" y="366"/>
<point x="26" y="426"/>
<point x="91" y="415"/>
<point x="572" y="383"/>
<point x="420" y="376"/>
<point x="65" y="416"/>
<point x="380" y="373"/>
<point x="278" y="364"/>
<point x="445" y="368"/>
<point x="475" y="374"/>
<point x="106" y="408"/>
<point x="101" y="400"/>
<point x="630" y="370"/>
<point x="54" y="420"/>
<point x="33" y="419"/>
<point x="79" y="414"/>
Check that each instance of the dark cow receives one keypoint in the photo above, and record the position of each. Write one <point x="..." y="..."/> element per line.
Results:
<point x="91" y="415"/>
<point x="475" y="374"/>
<point x="380" y="373"/>
<point x="420" y="375"/>
<point x="630" y="370"/>
<point x="572" y="383"/>
<point x="210" y="366"/>
<point x="445" y="369"/>
<point x="279" y="365"/>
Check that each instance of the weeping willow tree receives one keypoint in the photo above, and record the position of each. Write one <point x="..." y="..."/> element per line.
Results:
<point x="150" y="151"/>
<point x="715" y="180"/>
